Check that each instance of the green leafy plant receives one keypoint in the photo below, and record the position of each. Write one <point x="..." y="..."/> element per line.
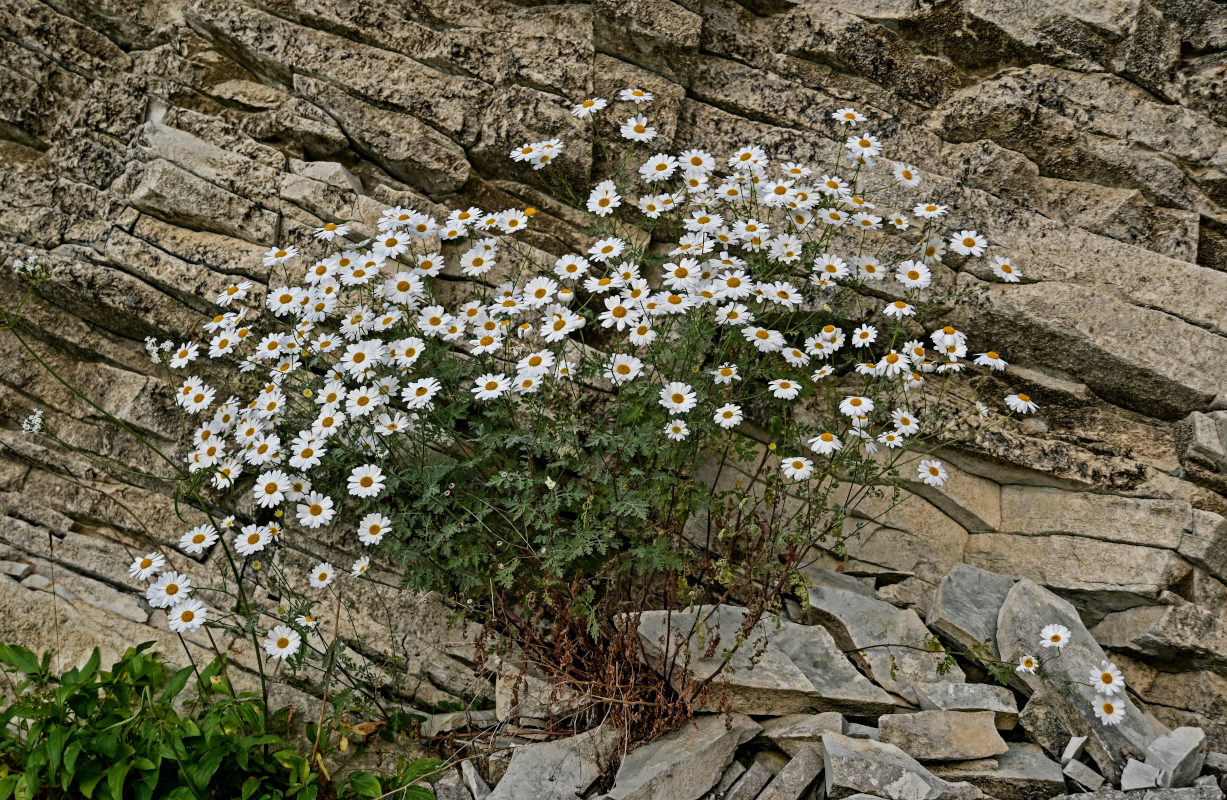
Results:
<point x="117" y="735"/>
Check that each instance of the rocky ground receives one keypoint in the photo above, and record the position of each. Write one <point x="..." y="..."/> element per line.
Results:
<point x="152" y="151"/>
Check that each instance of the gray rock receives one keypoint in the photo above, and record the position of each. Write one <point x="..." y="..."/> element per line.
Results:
<point x="971" y="697"/>
<point x="455" y="720"/>
<point x="1187" y="793"/>
<point x="1073" y="749"/>
<point x="782" y="669"/>
<point x="730" y="776"/>
<point x="685" y="763"/>
<point x="858" y="731"/>
<point x="1083" y="775"/>
<point x="751" y="783"/>
<point x="562" y="769"/>
<point x="866" y="625"/>
<point x="1178" y="756"/>
<point x="855" y="766"/>
<point x="1028" y="608"/>
<point x="943" y="735"/>
<point x="450" y="787"/>
<point x="795" y="732"/>
<point x="1023" y="772"/>
<point x="966" y="605"/>
<point x="793" y="781"/>
<point x="472" y="779"/>
<point x="15" y="569"/>
<point x="1140" y="775"/>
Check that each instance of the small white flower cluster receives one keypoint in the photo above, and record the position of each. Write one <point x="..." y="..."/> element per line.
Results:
<point x="33" y="423"/>
<point x="27" y="266"/>
<point x="169" y="590"/>
<point x="156" y="350"/>
<point x="539" y="154"/>
<point x="1106" y="680"/>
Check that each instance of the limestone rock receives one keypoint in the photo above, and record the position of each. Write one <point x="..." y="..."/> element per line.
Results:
<point x="1022" y="772"/>
<point x="971" y="697"/>
<point x="561" y="769"/>
<point x="1178" y="756"/>
<point x="943" y="735"/>
<point x="685" y="763"/>
<point x="750" y="784"/>
<point x="779" y="670"/>
<point x="1027" y="609"/>
<point x="965" y="607"/>
<point x="856" y="766"/>
<point x="794" y="732"/>
<point x="1140" y="775"/>
<point x="866" y="624"/>
<point x="792" y="782"/>
<point x="1083" y="775"/>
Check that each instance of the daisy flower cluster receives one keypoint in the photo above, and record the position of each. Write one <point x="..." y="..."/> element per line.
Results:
<point x="1106" y="679"/>
<point x="360" y="361"/>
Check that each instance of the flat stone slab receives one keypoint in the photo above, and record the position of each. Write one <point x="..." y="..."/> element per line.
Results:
<point x="863" y="766"/>
<point x="795" y="732"/>
<point x="562" y="769"/>
<point x="864" y="624"/>
<point x="971" y="697"/>
<point x="685" y="763"/>
<point x="1022" y="772"/>
<point x="966" y="605"/>
<point x="1140" y="775"/>
<point x="1027" y="610"/>
<point x="1209" y="792"/>
<point x="751" y="783"/>
<point x="783" y="668"/>
<point x="943" y="735"/>
<point x="793" y="781"/>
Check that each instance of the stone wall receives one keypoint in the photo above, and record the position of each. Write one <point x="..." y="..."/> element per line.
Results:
<point x="152" y="150"/>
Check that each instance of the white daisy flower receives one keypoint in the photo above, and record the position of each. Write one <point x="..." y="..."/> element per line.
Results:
<point x="198" y="539"/>
<point x="588" y="107"/>
<point x="331" y="231"/>
<point x="677" y="430"/>
<point x="906" y="174"/>
<point x="270" y="488"/>
<point x="931" y="472"/>
<point x="728" y="416"/>
<point x="278" y="255"/>
<point x="784" y="389"/>
<point x="490" y="386"/>
<point x="623" y="368"/>
<point x="914" y="275"/>
<point x="282" y="642"/>
<point x="821" y="373"/>
<point x="659" y="167"/>
<point x="1054" y="635"/>
<point x="1108" y="679"/>
<point x="372" y="527"/>
<point x="359" y="567"/>
<point x="848" y="116"/>
<point x="636" y="129"/>
<point x="825" y="444"/>
<point x="1109" y="710"/>
<point x="1021" y="403"/>
<point x="864" y="146"/>
<point x="991" y="359"/>
<point x="315" y="511"/>
<point x="968" y="243"/>
<point x="252" y="539"/>
<point x="864" y="335"/>
<point x="187" y="616"/>
<point x="1026" y="664"/>
<point x="726" y="373"/>
<point x="366" y="480"/>
<point x="1003" y="268"/>
<point x="170" y="589"/>
<point x="635" y="96"/>
<point x="929" y="210"/>
<point x="856" y="406"/>
<point x="185" y="355"/>
<point x="797" y="468"/>
<point x="322" y="575"/>
<point x="147" y="566"/>
<point x="904" y="422"/>
<point x="677" y="398"/>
